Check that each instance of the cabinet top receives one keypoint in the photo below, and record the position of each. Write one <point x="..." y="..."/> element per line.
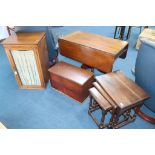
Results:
<point x="23" y="38"/>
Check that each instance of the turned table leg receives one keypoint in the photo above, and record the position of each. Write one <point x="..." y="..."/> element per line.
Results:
<point x="84" y="66"/>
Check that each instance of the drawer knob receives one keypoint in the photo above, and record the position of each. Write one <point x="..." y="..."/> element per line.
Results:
<point x="15" y="72"/>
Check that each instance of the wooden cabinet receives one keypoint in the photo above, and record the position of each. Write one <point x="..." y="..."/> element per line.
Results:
<point x="28" y="56"/>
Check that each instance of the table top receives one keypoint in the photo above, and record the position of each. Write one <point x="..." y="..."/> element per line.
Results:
<point x="24" y="38"/>
<point x="123" y="91"/>
<point x="100" y="99"/>
<point x="101" y="43"/>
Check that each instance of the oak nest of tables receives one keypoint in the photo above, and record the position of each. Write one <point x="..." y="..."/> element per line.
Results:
<point x="116" y="94"/>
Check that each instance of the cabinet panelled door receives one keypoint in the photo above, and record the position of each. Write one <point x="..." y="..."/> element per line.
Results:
<point x="26" y="67"/>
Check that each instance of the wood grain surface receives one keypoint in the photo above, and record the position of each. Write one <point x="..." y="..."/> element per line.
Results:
<point x="93" y="50"/>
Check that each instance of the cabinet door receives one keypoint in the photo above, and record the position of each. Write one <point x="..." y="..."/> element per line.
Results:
<point x="26" y="67"/>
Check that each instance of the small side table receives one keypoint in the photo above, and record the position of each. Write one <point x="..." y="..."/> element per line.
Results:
<point x="122" y="31"/>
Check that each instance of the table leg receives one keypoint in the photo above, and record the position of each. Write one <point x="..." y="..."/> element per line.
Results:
<point x="102" y="119"/>
<point x="122" y="32"/>
<point x="84" y="66"/>
<point x="115" y="31"/>
<point x="129" y="32"/>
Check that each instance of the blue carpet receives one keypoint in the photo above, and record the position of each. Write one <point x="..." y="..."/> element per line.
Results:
<point x="48" y="108"/>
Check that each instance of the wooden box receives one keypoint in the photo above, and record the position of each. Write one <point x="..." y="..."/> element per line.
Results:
<point x="28" y="56"/>
<point x="71" y="80"/>
<point x="93" y="50"/>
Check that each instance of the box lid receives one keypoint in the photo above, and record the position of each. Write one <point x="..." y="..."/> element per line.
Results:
<point x="70" y="72"/>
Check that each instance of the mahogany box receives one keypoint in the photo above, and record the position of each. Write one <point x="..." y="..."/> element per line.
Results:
<point x="71" y="80"/>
